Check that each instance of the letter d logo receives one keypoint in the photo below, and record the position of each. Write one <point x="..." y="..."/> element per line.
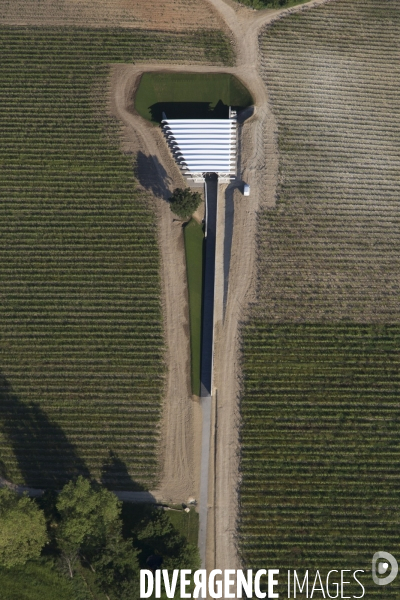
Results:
<point x="382" y="566"/>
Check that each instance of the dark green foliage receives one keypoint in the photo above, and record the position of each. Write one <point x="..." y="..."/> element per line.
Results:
<point x="87" y="513"/>
<point x="88" y="533"/>
<point x="153" y="532"/>
<point x="37" y="580"/>
<point x="117" y="568"/>
<point x="184" y="202"/>
<point x="271" y="3"/>
<point x="22" y="529"/>
<point x="96" y="551"/>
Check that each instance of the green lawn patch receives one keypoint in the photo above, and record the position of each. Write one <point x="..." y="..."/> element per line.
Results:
<point x="186" y="523"/>
<point x="194" y="237"/>
<point x="34" y="581"/>
<point x="189" y="95"/>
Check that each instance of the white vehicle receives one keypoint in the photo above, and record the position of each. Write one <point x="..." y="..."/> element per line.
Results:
<point x="246" y="190"/>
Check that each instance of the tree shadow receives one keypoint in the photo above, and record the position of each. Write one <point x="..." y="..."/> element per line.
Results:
<point x="46" y="458"/>
<point x="115" y="476"/>
<point x="152" y="176"/>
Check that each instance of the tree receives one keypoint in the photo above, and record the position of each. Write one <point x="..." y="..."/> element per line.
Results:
<point x="184" y="202"/>
<point x="159" y="536"/>
<point x="89" y="532"/>
<point x="22" y="529"/>
<point x="117" y="568"/>
<point x="87" y="513"/>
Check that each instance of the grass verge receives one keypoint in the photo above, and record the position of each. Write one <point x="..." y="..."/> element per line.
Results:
<point x="34" y="581"/>
<point x="186" y="523"/>
<point x="194" y="237"/>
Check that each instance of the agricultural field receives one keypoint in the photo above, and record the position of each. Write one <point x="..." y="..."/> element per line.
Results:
<point x="81" y="350"/>
<point x="321" y="446"/>
<point x="166" y="15"/>
<point x="320" y="404"/>
<point x="331" y="248"/>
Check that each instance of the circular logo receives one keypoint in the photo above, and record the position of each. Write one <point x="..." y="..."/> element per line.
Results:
<point x="381" y="561"/>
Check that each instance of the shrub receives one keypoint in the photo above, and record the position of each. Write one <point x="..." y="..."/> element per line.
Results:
<point x="184" y="202"/>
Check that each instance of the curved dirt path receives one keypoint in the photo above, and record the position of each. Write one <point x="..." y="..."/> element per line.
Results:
<point x="181" y="429"/>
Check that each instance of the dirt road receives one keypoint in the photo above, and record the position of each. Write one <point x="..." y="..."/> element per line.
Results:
<point x="258" y="165"/>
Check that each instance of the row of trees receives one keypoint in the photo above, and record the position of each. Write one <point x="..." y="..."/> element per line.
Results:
<point x="82" y="529"/>
<point x="270" y="3"/>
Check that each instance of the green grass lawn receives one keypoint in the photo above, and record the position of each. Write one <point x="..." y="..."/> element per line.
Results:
<point x="194" y="237"/>
<point x="34" y="581"/>
<point x="186" y="523"/>
<point x="189" y="95"/>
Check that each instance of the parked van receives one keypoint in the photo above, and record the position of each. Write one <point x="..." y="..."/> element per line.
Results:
<point x="246" y="190"/>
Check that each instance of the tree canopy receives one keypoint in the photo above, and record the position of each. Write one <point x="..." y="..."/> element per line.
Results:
<point x="87" y="513"/>
<point x="90" y="531"/>
<point x="184" y="202"/>
<point x="99" y="547"/>
<point x="22" y="529"/>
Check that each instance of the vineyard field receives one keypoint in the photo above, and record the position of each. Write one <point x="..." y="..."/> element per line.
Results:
<point x="320" y="447"/>
<point x="169" y="15"/>
<point x="81" y="331"/>
<point x="320" y="402"/>
<point x="331" y="248"/>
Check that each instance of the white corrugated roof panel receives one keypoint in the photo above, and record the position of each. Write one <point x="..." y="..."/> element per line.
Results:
<point x="203" y="145"/>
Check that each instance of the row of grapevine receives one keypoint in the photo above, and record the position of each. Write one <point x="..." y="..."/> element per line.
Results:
<point x="331" y="248"/>
<point x="320" y="446"/>
<point x="321" y="385"/>
<point x="171" y="15"/>
<point x="81" y="350"/>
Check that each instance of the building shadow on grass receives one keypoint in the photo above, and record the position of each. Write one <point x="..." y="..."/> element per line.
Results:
<point x="46" y="458"/>
<point x="152" y="176"/>
<point x="188" y="110"/>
